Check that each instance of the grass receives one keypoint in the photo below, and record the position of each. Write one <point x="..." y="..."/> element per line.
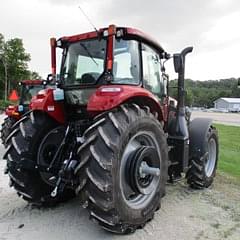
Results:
<point x="229" y="146"/>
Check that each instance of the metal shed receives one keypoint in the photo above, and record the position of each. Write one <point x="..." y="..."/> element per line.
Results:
<point x="231" y="104"/>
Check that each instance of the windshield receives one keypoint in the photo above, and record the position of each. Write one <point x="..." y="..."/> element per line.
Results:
<point x="84" y="62"/>
<point x="28" y="92"/>
<point x="126" y="62"/>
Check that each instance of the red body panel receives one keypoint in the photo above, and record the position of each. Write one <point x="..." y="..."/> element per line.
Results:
<point x="12" y="111"/>
<point x="110" y="96"/>
<point x="44" y="101"/>
<point x="79" y="37"/>
<point x="32" y="82"/>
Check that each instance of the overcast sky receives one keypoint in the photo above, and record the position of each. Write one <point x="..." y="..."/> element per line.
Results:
<point x="211" y="26"/>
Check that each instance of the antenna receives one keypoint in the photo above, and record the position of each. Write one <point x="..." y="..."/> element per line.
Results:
<point x="89" y="20"/>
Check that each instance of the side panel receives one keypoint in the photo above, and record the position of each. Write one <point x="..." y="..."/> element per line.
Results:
<point x="108" y="97"/>
<point x="44" y="101"/>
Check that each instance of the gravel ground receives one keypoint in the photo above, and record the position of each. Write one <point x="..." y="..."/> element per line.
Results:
<point x="213" y="213"/>
<point x="225" y="118"/>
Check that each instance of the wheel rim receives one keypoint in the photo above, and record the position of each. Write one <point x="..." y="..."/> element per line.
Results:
<point x="47" y="150"/>
<point x="211" y="159"/>
<point x="146" y="184"/>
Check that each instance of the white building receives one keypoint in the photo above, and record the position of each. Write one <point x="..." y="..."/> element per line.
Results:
<point x="231" y="104"/>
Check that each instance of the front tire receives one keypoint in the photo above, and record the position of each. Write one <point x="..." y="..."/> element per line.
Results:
<point x="117" y="195"/>
<point x="203" y="168"/>
<point x="24" y="144"/>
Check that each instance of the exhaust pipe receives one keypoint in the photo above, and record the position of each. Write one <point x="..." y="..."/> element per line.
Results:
<point x="179" y="137"/>
<point x="181" y="129"/>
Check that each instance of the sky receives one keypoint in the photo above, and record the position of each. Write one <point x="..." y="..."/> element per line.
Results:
<point x="210" y="26"/>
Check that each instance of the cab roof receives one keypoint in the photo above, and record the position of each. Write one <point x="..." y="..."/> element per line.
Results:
<point x="126" y="32"/>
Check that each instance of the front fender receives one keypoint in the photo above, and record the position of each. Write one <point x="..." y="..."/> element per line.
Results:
<point x="108" y="97"/>
<point x="44" y="101"/>
<point x="198" y="129"/>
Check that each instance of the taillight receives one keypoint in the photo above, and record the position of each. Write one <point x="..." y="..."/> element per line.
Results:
<point x="109" y="91"/>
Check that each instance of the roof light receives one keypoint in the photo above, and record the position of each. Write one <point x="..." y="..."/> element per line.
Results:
<point x="105" y="33"/>
<point x="59" y="43"/>
<point x="119" y="33"/>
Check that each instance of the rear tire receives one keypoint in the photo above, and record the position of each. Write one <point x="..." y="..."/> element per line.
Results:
<point x="107" y="163"/>
<point x="203" y="168"/>
<point x="24" y="144"/>
<point x="6" y="129"/>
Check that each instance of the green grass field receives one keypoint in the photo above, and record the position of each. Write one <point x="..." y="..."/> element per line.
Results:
<point x="229" y="143"/>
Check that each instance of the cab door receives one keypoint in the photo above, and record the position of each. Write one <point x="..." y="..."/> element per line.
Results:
<point x="153" y="79"/>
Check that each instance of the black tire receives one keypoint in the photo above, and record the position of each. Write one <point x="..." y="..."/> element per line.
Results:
<point x="7" y="128"/>
<point x="201" y="174"/>
<point x="101" y="161"/>
<point x="23" y="145"/>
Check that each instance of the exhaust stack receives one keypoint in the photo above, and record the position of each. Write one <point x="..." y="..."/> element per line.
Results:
<point x="179" y="65"/>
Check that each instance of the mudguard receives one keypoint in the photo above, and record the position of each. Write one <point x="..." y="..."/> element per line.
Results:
<point x="198" y="129"/>
<point x="12" y="111"/>
<point x="44" y="101"/>
<point x="108" y="97"/>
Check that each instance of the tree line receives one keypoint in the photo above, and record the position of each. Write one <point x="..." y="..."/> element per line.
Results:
<point x="13" y="65"/>
<point x="204" y="93"/>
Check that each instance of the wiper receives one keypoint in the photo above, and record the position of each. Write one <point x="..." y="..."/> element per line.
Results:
<point x="89" y="54"/>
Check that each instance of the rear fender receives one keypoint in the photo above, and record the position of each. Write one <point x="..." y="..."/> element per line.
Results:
<point x="111" y="96"/>
<point x="44" y="101"/>
<point x="12" y="111"/>
<point x="198" y="129"/>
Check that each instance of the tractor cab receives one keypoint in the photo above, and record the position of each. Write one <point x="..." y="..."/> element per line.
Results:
<point x="113" y="61"/>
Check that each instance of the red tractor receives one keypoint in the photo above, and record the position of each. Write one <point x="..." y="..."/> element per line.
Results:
<point x="108" y="133"/>
<point x="28" y="89"/>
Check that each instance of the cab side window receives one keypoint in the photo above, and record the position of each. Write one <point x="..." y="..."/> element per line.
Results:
<point x="152" y="80"/>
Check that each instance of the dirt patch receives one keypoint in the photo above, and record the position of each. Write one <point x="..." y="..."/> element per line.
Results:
<point x="213" y="213"/>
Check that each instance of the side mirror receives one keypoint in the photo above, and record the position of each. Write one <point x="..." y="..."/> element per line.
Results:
<point x="178" y="62"/>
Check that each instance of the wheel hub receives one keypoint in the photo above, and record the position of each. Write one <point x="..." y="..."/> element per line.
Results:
<point x="142" y="170"/>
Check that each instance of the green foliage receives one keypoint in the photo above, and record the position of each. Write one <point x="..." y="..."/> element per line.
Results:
<point x="13" y="64"/>
<point x="34" y="75"/>
<point x="4" y="104"/>
<point x="204" y="93"/>
<point x="229" y="160"/>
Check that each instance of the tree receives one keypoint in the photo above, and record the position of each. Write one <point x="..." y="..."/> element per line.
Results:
<point x="3" y="67"/>
<point x="34" y="75"/>
<point x="13" y="65"/>
<point x="17" y="62"/>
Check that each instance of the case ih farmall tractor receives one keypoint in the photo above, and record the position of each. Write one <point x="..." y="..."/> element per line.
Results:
<point x="105" y="131"/>
<point x="28" y="89"/>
